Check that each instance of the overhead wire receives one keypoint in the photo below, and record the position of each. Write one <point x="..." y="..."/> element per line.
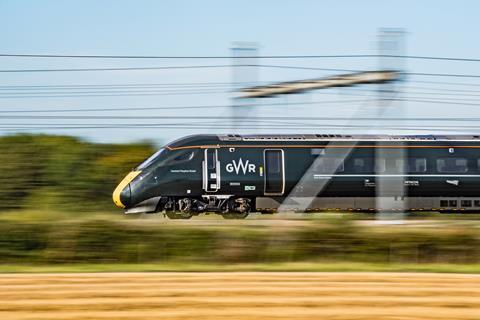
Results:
<point x="229" y="127"/>
<point x="202" y="117"/>
<point x="114" y="69"/>
<point x="301" y="56"/>
<point x="180" y="107"/>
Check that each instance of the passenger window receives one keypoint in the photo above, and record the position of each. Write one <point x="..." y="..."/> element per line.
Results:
<point x="452" y="165"/>
<point x="400" y="165"/>
<point x="329" y="165"/>
<point x="366" y="165"/>
<point x="466" y="203"/>
<point x="380" y="164"/>
<point x="443" y="203"/>
<point x="359" y="165"/>
<point x="414" y="165"/>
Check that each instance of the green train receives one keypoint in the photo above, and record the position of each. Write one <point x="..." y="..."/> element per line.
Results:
<point x="233" y="175"/>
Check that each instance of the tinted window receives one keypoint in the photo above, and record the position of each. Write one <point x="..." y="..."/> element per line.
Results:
<point x="211" y="159"/>
<point x="359" y="165"/>
<point x="274" y="179"/>
<point x="414" y="165"/>
<point x="183" y="157"/>
<point x="368" y="165"/>
<point x="328" y="165"/>
<point x="452" y="165"/>
<point x="417" y="165"/>
<point x="153" y="158"/>
<point x="466" y="203"/>
<point x="273" y="161"/>
<point x="380" y="165"/>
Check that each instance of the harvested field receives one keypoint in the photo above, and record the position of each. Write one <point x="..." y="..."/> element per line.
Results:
<point x="246" y="295"/>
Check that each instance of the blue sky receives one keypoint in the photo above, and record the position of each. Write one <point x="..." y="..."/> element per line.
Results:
<point x="437" y="28"/>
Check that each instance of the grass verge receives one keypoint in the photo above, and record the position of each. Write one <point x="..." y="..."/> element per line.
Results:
<point x="263" y="267"/>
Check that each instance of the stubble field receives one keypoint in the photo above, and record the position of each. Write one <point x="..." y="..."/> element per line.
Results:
<point x="240" y="295"/>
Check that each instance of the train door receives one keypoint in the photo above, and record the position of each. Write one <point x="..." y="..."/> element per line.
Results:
<point x="274" y="171"/>
<point x="211" y="171"/>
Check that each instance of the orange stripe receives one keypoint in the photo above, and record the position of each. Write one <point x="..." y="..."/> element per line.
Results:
<point x="308" y="146"/>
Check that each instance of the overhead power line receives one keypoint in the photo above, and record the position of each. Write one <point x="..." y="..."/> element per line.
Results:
<point x="462" y="84"/>
<point x="228" y="66"/>
<point x="174" y="67"/>
<point x="254" y="118"/>
<point x="182" y="107"/>
<point x="116" y="69"/>
<point x="80" y="86"/>
<point x="456" y="75"/>
<point x="106" y="94"/>
<point x="13" y="55"/>
<point x="125" y="85"/>
<point x="314" y="128"/>
<point x="301" y="56"/>
<point x="113" y="90"/>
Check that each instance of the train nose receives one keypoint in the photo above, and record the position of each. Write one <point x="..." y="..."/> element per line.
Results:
<point x="122" y="194"/>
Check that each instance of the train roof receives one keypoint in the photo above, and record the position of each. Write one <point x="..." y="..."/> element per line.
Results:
<point x="346" y="137"/>
<point x="198" y="140"/>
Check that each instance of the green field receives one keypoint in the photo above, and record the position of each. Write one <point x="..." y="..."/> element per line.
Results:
<point x="42" y="241"/>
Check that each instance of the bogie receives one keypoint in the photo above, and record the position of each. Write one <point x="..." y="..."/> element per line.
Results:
<point x="237" y="208"/>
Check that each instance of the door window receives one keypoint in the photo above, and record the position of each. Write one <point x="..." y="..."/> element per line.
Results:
<point x="274" y="172"/>
<point x="211" y="175"/>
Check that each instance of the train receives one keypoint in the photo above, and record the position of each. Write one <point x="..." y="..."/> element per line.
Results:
<point x="233" y="175"/>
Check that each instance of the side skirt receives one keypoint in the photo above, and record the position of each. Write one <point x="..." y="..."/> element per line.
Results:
<point x="147" y="206"/>
<point x="452" y="204"/>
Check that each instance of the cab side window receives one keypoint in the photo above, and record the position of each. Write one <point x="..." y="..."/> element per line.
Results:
<point x="182" y="157"/>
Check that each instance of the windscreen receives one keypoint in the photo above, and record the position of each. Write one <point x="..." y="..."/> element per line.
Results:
<point x="152" y="159"/>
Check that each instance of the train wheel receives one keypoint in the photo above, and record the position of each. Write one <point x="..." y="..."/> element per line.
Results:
<point x="184" y="210"/>
<point x="237" y="209"/>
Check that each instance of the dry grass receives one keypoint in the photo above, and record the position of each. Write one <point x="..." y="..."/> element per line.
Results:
<point x="246" y="295"/>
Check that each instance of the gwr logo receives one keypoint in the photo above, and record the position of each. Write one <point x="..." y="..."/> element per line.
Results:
<point x="240" y="166"/>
